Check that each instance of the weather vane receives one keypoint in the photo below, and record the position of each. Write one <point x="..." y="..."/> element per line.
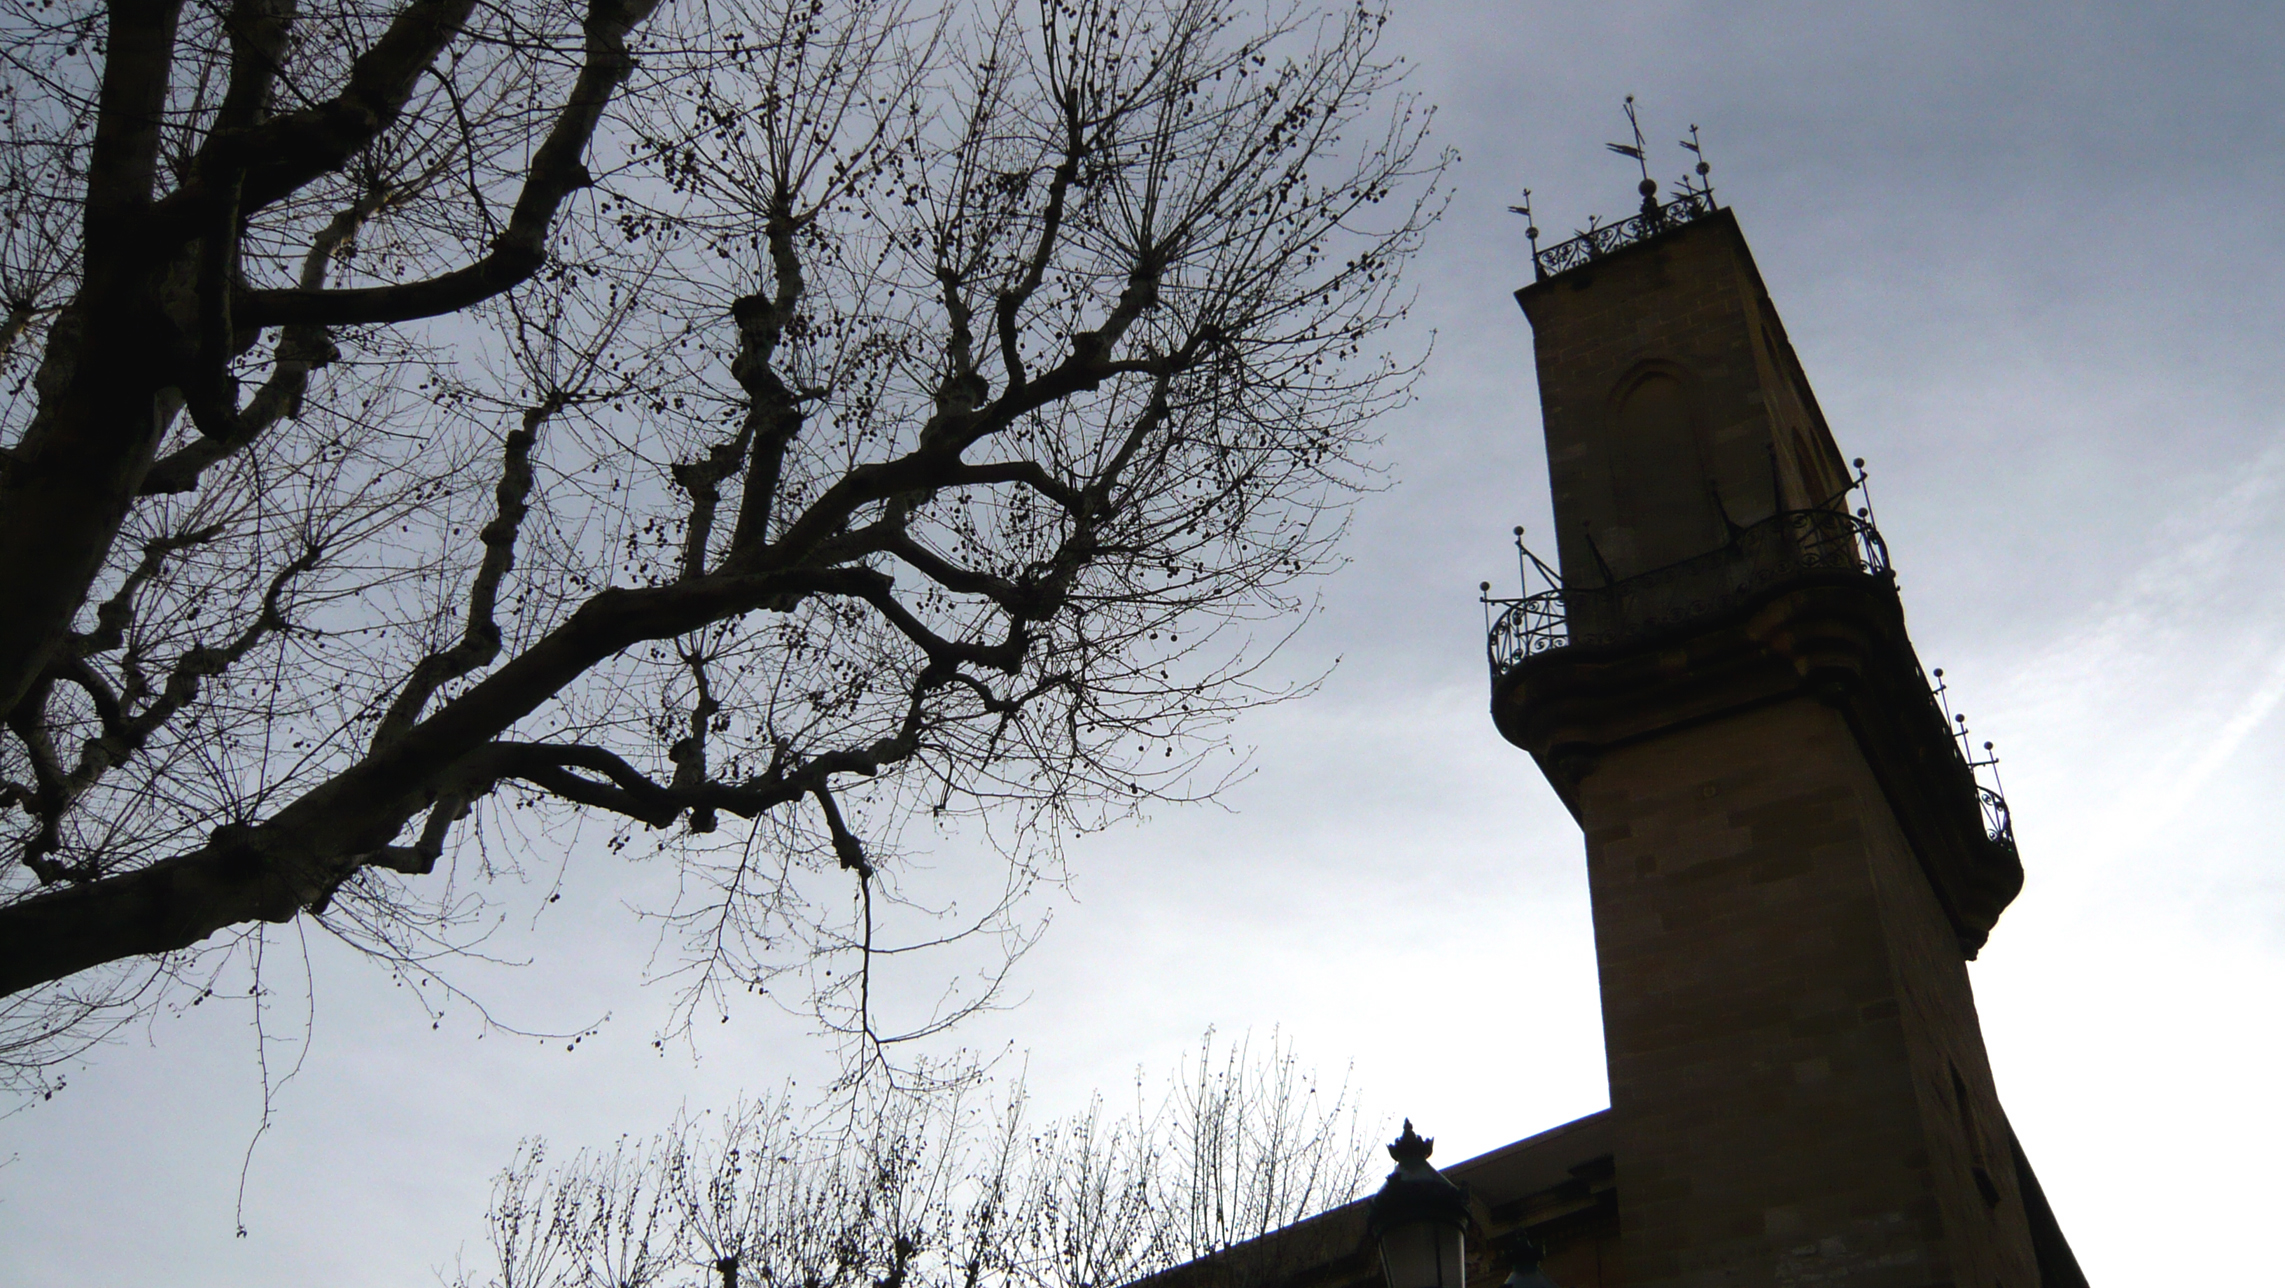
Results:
<point x="1530" y="225"/>
<point x="1705" y="186"/>
<point x="1649" y="186"/>
<point x="1694" y="199"/>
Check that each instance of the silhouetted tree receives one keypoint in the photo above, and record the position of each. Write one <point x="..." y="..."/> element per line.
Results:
<point x="867" y="415"/>
<point x="937" y="1191"/>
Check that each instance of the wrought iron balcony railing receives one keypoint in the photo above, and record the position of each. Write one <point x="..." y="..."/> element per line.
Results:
<point x="1999" y="825"/>
<point x="1599" y="240"/>
<point x="1785" y="546"/>
<point x="1778" y="548"/>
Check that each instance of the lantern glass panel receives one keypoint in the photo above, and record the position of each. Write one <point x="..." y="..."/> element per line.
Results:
<point x="1424" y="1254"/>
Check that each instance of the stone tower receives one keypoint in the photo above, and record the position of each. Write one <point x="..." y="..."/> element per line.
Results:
<point x="1789" y="855"/>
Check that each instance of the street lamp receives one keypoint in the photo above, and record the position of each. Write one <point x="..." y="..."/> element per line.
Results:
<point x="1419" y="1220"/>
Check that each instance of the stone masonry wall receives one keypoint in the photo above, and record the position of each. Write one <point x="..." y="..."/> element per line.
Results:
<point x="1798" y="1084"/>
<point x="1689" y="304"/>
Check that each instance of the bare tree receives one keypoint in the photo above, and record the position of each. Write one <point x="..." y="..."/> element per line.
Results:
<point x="938" y="1191"/>
<point x="912" y="417"/>
<point x="173" y="175"/>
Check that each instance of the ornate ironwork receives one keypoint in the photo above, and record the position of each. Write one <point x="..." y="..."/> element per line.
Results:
<point x="1781" y="547"/>
<point x="1999" y="825"/>
<point x="1532" y="624"/>
<point x="1694" y="202"/>
<point x="1598" y="240"/>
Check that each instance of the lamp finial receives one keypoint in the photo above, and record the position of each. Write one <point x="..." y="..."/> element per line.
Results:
<point x="1411" y="1147"/>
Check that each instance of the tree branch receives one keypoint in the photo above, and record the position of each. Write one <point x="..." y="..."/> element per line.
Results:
<point x="773" y="413"/>
<point x="300" y="351"/>
<point x="1029" y="473"/>
<point x="556" y="172"/>
<point x="124" y="735"/>
<point x="123" y="160"/>
<point x="279" y="156"/>
<point x="114" y="615"/>
<point x="1012" y="300"/>
<point x="689" y="752"/>
<point x="702" y="480"/>
<point x="480" y="637"/>
<point x="272" y="871"/>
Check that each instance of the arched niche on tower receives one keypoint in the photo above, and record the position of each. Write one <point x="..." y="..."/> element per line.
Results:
<point x="1661" y="499"/>
<point x="1807" y="468"/>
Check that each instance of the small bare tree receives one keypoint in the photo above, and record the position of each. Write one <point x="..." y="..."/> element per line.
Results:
<point x="938" y="1191"/>
<point x="912" y="416"/>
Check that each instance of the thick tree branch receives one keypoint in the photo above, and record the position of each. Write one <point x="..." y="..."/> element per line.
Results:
<point x="258" y="30"/>
<point x="114" y="615"/>
<point x="123" y="161"/>
<point x="689" y="752"/>
<point x="282" y="154"/>
<point x="480" y="636"/>
<point x="301" y="350"/>
<point x="702" y="480"/>
<point x="556" y="172"/>
<point x="773" y="411"/>
<point x="951" y="576"/>
<point x="48" y="797"/>
<point x="623" y="789"/>
<point x="123" y="734"/>
<point x="846" y="848"/>
<point x="1029" y="473"/>
<point x="933" y="464"/>
<point x="1006" y="656"/>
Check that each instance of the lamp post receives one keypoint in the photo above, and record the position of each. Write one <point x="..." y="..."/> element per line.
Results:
<point x="1419" y="1220"/>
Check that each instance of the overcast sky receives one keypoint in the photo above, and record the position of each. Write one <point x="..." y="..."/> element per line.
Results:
<point x="2031" y="258"/>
